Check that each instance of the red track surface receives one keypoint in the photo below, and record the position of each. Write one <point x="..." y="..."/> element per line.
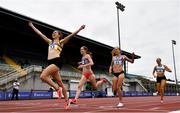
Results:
<point x="132" y="104"/>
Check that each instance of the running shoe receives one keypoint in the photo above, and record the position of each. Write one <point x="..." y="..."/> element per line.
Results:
<point x="73" y="101"/>
<point x="162" y="101"/>
<point x="120" y="105"/>
<point x="104" y="79"/>
<point x="59" y="92"/>
<point x="157" y="93"/>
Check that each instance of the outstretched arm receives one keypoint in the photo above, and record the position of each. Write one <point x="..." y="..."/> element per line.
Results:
<point x="66" y="39"/>
<point x="167" y="68"/>
<point x="47" y="40"/>
<point x="128" y="59"/>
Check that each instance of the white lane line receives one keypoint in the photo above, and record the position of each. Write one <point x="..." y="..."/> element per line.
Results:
<point x="155" y="108"/>
<point x="178" y="111"/>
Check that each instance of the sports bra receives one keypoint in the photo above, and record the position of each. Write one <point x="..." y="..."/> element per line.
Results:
<point x="160" y="68"/>
<point x="84" y="61"/>
<point x="118" y="60"/>
<point x="56" y="46"/>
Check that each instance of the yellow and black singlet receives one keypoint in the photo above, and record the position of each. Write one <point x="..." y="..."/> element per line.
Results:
<point x="57" y="46"/>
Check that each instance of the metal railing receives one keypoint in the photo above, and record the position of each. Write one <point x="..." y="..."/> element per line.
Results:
<point x="76" y="74"/>
<point x="71" y="74"/>
<point x="139" y="82"/>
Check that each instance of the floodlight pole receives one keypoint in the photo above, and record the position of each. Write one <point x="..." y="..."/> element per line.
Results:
<point x="119" y="37"/>
<point x="174" y="43"/>
<point x="121" y="7"/>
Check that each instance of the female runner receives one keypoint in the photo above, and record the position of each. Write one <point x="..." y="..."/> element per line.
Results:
<point x="54" y="60"/>
<point x="160" y="76"/>
<point x="117" y="68"/>
<point x="87" y="73"/>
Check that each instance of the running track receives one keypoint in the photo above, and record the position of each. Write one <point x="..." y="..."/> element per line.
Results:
<point x="132" y="104"/>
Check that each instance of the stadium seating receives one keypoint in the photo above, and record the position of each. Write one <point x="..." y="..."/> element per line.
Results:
<point x="5" y="68"/>
<point x="2" y="72"/>
<point x="14" y="65"/>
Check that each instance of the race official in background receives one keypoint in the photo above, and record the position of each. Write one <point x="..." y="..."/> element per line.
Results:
<point x="15" y="89"/>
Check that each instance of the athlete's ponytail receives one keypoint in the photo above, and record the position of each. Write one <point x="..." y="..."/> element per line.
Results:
<point x="87" y="51"/>
<point x="113" y="52"/>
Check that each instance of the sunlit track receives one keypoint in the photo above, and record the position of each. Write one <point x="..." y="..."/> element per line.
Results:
<point x="132" y="104"/>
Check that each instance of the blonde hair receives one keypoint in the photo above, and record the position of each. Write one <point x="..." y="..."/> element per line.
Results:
<point x="113" y="51"/>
